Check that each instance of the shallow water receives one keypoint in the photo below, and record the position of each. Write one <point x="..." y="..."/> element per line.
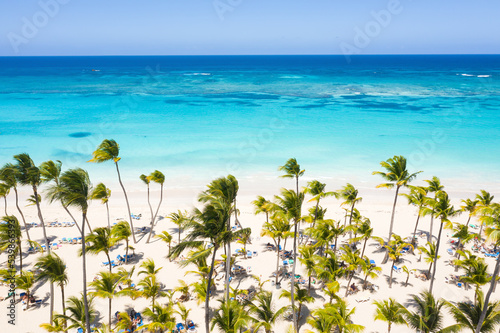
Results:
<point x="246" y="115"/>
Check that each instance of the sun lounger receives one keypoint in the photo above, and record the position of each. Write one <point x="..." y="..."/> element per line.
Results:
<point x="450" y="252"/>
<point x="396" y="269"/>
<point x="373" y="262"/>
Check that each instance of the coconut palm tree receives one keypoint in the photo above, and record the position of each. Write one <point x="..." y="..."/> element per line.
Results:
<point x="101" y="192"/>
<point x="317" y="190"/>
<point x="9" y="175"/>
<point x="428" y="315"/>
<point x="180" y="219"/>
<point x="430" y="255"/>
<point x="146" y="180"/>
<point x="166" y="238"/>
<point x="442" y="210"/>
<point x="230" y="317"/>
<point x="106" y="151"/>
<point x="308" y="260"/>
<point x="263" y="311"/>
<point x="161" y="318"/>
<point x="301" y="296"/>
<point x="74" y="190"/>
<point x="469" y="206"/>
<point x="101" y="240"/>
<point x="25" y="282"/>
<point x="58" y="326"/>
<point x="391" y="312"/>
<point x="159" y="178"/>
<point x="262" y="205"/>
<point x="151" y="288"/>
<point x="278" y="229"/>
<point x="434" y="186"/>
<point x="79" y="310"/>
<point x="396" y="174"/>
<point x="208" y="224"/>
<point x="28" y="174"/>
<point x="369" y="270"/>
<point x="492" y="234"/>
<point x="106" y="286"/>
<point x="121" y="231"/>
<point x="365" y="232"/>
<point x="467" y="315"/>
<point x="290" y="203"/>
<point x="476" y="273"/>
<point x="353" y="262"/>
<point x="484" y="199"/>
<point x="321" y="321"/>
<point x="245" y="238"/>
<point x="4" y="191"/>
<point x="417" y="197"/>
<point x="10" y="238"/>
<point x="225" y="189"/>
<point x="342" y="317"/>
<point x="50" y="171"/>
<point x="53" y="269"/>
<point x="394" y="248"/>
<point x="350" y="194"/>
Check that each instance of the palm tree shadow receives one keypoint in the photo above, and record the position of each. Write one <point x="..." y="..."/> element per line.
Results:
<point x="305" y="312"/>
<point x="387" y="279"/>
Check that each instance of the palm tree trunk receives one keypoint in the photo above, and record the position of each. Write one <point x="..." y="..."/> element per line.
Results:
<point x="5" y="201"/>
<point x="429" y="237"/>
<point x="62" y="297"/>
<point x="468" y="221"/>
<point x="277" y="261"/>
<point x="84" y="270"/>
<point x="292" y="292"/>
<point x="350" y="219"/>
<point x="107" y="213"/>
<point x="436" y="257"/>
<point x="21" y="213"/>
<point x="393" y="213"/>
<point x="20" y="257"/>
<point x="109" y="311"/>
<point x="47" y="244"/>
<point x="109" y="260"/>
<point x="487" y="298"/>
<point x="228" y="261"/>
<point x="364" y="246"/>
<point x="126" y="250"/>
<point x="207" y="298"/>
<point x="416" y="225"/>
<point x="156" y="213"/>
<point x="126" y="200"/>
<point x="71" y="215"/>
<point x="88" y="224"/>
<point x="392" y="224"/>
<point x="150" y="209"/>
<point x="392" y="271"/>
<point x="351" y="275"/>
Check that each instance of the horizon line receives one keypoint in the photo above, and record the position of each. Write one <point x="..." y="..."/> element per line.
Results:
<point x="252" y="55"/>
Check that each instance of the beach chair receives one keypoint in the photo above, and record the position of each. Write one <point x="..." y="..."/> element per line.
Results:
<point x="249" y="269"/>
<point x="249" y="254"/>
<point x="372" y="262"/>
<point x="285" y="262"/>
<point x="396" y="269"/>
<point x="450" y="252"/>
<point x="255" y="253"/>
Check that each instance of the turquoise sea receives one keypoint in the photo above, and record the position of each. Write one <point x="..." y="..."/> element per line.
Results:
<point x="197" y="117"/>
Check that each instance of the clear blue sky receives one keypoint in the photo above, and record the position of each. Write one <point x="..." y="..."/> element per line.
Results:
<point x="173" y="27"/>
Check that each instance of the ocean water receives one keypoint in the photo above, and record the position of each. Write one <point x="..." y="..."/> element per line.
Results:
<point x="199" y="117"/>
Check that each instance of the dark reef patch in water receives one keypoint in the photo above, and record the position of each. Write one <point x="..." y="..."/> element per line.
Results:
<point x="79" y="134"/>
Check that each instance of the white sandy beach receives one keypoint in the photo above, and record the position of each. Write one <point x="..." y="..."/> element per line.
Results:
<point x="376" y="205"/>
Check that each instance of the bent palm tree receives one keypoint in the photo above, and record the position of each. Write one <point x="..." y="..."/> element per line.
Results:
<point x="53" y="268"/>
<point x="51" y="171"/>
<point x="101" y="240"/>
<point x="4" y="191"/>
<point x="467" y="315"/>
<point x="417" y="197"/>
<point x="101" y="192"/>
<point x="9" y="176"/>
<point x="75" y="189"/>
<point x="121" y="231"/>
<point x="434" y="187"/>
<point x="428" y="317"/>
<point x="350" y="194"/>
<point x="106" y="151"/>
